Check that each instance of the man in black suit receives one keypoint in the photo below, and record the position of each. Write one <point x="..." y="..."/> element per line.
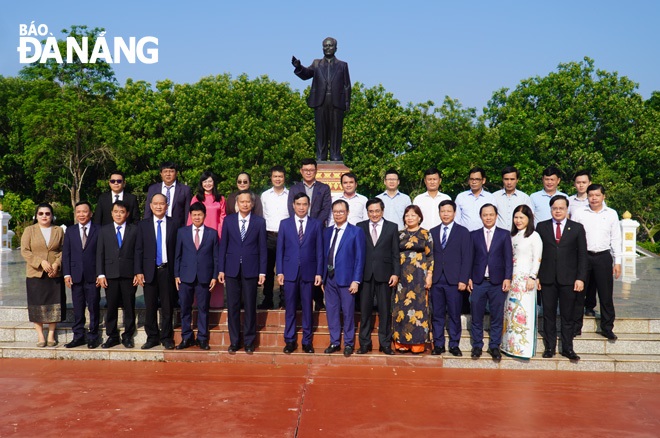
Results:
<point x="382" y="269"/>
<point x="154" y="269"/>
<point x="79" y="269"/>
<point x="103" y="214"/>
<point x="320" y="202"/>
<point x="178" y="195"/>
<point x="452" y="265"/>
<point x="115" y="269"/>
<point x="561" y="275"/>
<point x="330" y="96"/>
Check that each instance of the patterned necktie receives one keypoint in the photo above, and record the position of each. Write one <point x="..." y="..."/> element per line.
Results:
<point x="159" y="244"/>
<point x="196" y="238"/>
<point x="331" y="253"/>
<point x="167" y="195"/>
<point x="243" y="229"/>
<point x="374" y="233"/>
<point x="558" y="232"/>
<point x="84" y="238"/>
<point x="116" y="198"/>
<point x="119" y="241"/>
<point x="444" y="238"/>
<point x="300" y="231"/>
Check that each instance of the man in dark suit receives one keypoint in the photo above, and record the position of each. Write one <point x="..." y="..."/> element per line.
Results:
<point x="195" y="270"/>
<point x="382" y="269"/>
<point x="243" y="259"/>
<point x="79" y="269"/>
<point x="344" y="246"/>
<point x="103" y="213"/>
<point x="562" y="275"/>
<point x="490" y="280"/>
<point x="299" y="263"/>
<point x="154" y="268"/>
<point x="330" y="96"/>
<point x="319" y="205"/>
<point x="452" y="265"/>
<point x="115" y="266"/>
<point x="178" y="195"/>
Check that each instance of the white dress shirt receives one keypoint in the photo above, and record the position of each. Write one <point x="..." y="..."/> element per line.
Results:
<point x="357" y="208"/>
<point x="275" y="208"/>
<point x="507" y="203"/>
<point x="603" y="230"/>
<point x="201" y="233"/>
<point x="429" y="207"/>
<point x="163" y="230"/>
<point x="163" y="190"/>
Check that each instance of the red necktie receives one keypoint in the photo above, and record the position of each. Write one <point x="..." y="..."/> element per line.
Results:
<point x="558" y="232"/>
<point x="196" y="238"/>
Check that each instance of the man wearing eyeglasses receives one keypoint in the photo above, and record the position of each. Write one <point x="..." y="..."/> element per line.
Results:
<point x="103" y="212"/>
<point x="469" y="202"/>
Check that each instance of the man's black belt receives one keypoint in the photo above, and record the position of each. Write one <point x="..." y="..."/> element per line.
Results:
<point x="163" y="266"/>
<point x="597" y="253"/>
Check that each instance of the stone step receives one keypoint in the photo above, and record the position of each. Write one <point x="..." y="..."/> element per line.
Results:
<point x="589" y="362"/>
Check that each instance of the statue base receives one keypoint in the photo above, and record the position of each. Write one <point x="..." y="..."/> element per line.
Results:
<point x="330" y="172"/>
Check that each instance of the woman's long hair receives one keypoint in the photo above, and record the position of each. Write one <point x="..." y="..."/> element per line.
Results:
<point x="524" y="209"/>
<point x="214" y="191"/>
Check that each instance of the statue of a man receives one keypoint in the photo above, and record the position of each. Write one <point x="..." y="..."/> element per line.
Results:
<point x="330" y="97"/>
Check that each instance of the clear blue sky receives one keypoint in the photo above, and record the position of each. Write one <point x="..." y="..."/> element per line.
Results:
<point x="418" y="50"/>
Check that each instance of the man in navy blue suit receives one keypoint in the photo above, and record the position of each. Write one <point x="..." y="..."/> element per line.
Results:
<point x="154" y="268"/>
<point x="344" y="246"/>
<point x="79" y="269"/>
<point x="178" y="195"/>
<point x="490" y="280"/>
<point x="243" y="260"/>
<point x="452" y="258"/>
<point x="195" y="270"/>
<point x="299" y="262"/>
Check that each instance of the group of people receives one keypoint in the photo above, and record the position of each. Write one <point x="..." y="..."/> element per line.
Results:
<point x="421" y="263"/>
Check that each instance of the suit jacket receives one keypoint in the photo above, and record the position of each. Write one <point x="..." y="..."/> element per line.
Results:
<point x="180" y="206"/>
<point x="112" y="261"/>
<point x="249" y="254"/>
<point x="336" y="77"/>
<point x="145" y="248"/>
<point x="321" y="200"/>
<point x="295" y="258"/>
<point x="455" y="260"/>
<point x="499" y="259"/>
<point x="191" y="263"/>
<point x="381" y="260"/>
<point x="349" y="255"/>
<point x="564" y="262"/>
<point x="77" y="262"/>
<point x="34" y="249"/>
<point x="103" y="212"/>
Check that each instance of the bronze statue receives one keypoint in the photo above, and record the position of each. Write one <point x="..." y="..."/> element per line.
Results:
<point x="330" y="97"/>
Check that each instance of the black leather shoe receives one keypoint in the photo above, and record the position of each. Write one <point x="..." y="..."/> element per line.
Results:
<point x="495" y="353"/>
<point x="110" y="343"/>
<point x="249" y="348"/>
<point x="577" y="333"/>
<point x="547" y="354"/>
<point x="185" y="344"/>
<point x="76" y="343"/>
<point x="348" y="350"/>
<point x="128" y="343"/>
<point x="308" y="348"/>
<point x="386" y="350"/>
<point x="609" y="335"/>
<point x="476" y="353"/>
<point x="331" y="349"/>
<point x="149" y="344"/>
<point x="168" y="344"/>
<point x="233" y="348"/>
<point x="204" y="345"/>
<point x="570" y="354"/>
<point x="589" y="312"/>
<point x="266" y="305"/>
<point x="290" y="347"/>
<point x="455" y="351"/>
<point x="93" y="343"/>
<point x="364" y="349"/>
<point x="438" y="350"/>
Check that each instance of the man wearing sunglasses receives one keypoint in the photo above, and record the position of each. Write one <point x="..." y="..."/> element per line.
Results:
<point x="102" y="214"/>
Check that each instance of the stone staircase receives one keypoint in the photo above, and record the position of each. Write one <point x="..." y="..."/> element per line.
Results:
<point x="636" y="350"/>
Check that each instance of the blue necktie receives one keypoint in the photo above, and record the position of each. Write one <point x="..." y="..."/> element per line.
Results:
<point x="444" y="238"/>
<point x="243" y="229"/>
<point x="159" y="245"/>
<point x="119" y="236"/>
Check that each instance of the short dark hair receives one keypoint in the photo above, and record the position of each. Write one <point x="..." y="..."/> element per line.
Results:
<point x="120" y="203"/>
<point x="307" y="161"/>
<point x="117" y="172"/>
<point x="582" y="172"/>
<point x="524" y="209"/>
<point x="511" y="169"/>
<point x="447" y="202"/>
<point x="485" y="206"/>
<point x="594" y="187"/>
<point x="245" y="173"/>
<point x="198" y="206"/>
<point x="87" y="203"/>
<point x="551" y="170"/>
<point x="243" y="192"/>
<point x="340" y="201"/>
<point x="416" y="209"/>
<point x="557" y="198"/>
<point x="480" y="170"/>
<point x="350" y="175"/>
<point x="277" y="168"/>
<point x="432" y="171"/>
<point x="44" y="205"/>
<point x="391" y="171"/>
<point x="168" y="165"/>
<point x="373" y="201"/>
<point x="300" y="195"/>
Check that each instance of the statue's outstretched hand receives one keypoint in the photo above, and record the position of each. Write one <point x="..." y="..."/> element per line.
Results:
<point x="295" y="61"/>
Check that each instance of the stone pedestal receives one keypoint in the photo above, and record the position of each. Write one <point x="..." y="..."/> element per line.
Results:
<point x="5" y="240"/>
<point x="629" y="248"/>
<point x="330" y="172"/>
